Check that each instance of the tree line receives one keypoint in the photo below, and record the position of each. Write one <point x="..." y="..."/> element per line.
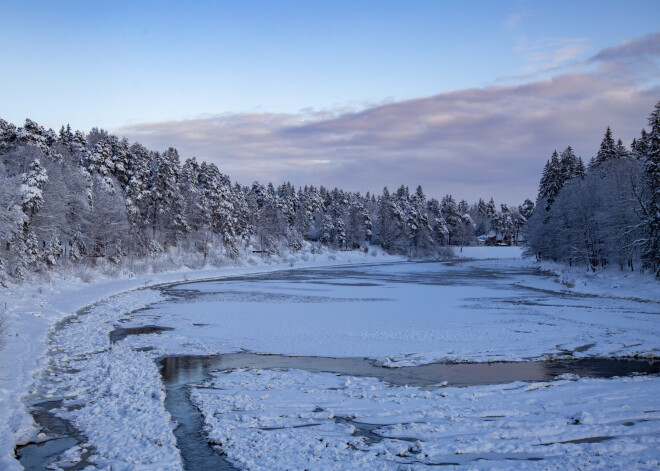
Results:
<point x="73" y="197"/>
<point x="605" y="213"/>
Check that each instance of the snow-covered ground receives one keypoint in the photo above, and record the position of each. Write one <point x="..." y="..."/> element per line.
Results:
<point x="399" y="314"/>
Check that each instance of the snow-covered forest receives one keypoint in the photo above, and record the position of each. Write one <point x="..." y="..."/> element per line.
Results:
<point x="95" y="199"/>
<point x="605" y="214"/>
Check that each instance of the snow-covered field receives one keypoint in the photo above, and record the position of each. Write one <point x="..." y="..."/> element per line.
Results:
<point x="396" y="313"/>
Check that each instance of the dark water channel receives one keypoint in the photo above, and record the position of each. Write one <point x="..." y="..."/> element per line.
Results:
<point x="179" y="373"/>
<point x="61" y="436"/>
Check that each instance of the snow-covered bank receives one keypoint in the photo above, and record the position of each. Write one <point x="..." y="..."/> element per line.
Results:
<point x="608" y="282"/>
<point x="32" y="310"/>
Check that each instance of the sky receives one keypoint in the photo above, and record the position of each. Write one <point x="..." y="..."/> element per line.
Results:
<point x="468" y="98"/>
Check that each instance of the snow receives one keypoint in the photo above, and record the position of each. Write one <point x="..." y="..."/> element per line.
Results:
<point x="34" y="310"/>
<point x="488" y="253"/>
<point x="611" y="282"/>
<point x="278" y="420"/>
<point x="405" y="314"/>
<point x="487" y="306"/>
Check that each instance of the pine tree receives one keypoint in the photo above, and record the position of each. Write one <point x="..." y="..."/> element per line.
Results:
<point x="452" y="217"/>
<point x="385" y="223"/>
<point x="78" y="247"/>
<point x="482" y="209"/>
<point x="167" y="206"/>
<point x="34" y="182"/>
<point x="580" y="170"/>
<point x="117" y="255"/>
<point x="340" y="233"/>
<point x="19" y="257"/>
<point x="490" y="208"/>
<point x="527" y="208"/>
<point x="327" y="230"/>
<point x="639" y="147"/>
<point x="569" y="166"/>
<point x="3" y="273"/>
<point x="607" y="150"/>
<point x="31" y="249"/>
<point x="621" y="151"/>
<point x="53" y="251"/>
<point x="652" y="248"/>
<point x="441" y="231"/>
<point x="551" y="181"/>
<point x="66" y="136"/>
<point x="138" y="195"/>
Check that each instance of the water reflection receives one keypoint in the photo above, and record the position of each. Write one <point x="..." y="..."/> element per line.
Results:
<point x="178" y="370"/>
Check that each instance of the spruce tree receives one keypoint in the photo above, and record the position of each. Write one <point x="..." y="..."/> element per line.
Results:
<point x="34" y="182"/>
<point x="652" y="248"/>
<point x="607" y="150"/>
<point x="551" y="180"/>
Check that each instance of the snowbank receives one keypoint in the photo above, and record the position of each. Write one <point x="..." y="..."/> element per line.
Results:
<point x="606" y="282"/>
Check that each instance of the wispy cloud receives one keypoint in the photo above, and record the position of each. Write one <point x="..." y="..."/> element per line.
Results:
<point x="472" y="142"/>
<point x="551" y="53"/>
<point x="514" y="20"/>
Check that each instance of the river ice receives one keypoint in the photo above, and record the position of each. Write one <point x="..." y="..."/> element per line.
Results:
<point x="279" y="420"/>
<point x="398" y="314"/>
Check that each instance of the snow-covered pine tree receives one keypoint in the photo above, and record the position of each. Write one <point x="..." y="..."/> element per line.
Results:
<point x="607" y="150"/>
<point x="551" y="180"/>
<point x="340" y="234"/>
<point x="19" y="258"/>
<point x="569" y="166"/>
<point x="34" y="181"/>
<point x="621" y="151"/>
<point x="652" y="143"/>
<point x="166" y="203"/>
<point x="359" y="224"/>
<point x="3" y="273"/>
<point x="327" y="230"/>
<point x="138" y="196"/>
<point x="452" y="217"/>
<point x="78" y="250"/>
<point x="117" y="254"/>
<point x="52" y="251"/>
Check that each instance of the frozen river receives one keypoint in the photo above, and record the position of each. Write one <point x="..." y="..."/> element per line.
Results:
<point x="205" y="343"/>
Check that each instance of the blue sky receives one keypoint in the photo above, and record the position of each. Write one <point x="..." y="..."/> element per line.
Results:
<point x="162" y="66"/>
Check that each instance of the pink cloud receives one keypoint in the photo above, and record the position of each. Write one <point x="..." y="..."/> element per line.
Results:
<point x="471" y="143"/>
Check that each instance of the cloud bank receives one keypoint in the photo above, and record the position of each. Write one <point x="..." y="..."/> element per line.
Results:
<point x="472" y="143"/>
